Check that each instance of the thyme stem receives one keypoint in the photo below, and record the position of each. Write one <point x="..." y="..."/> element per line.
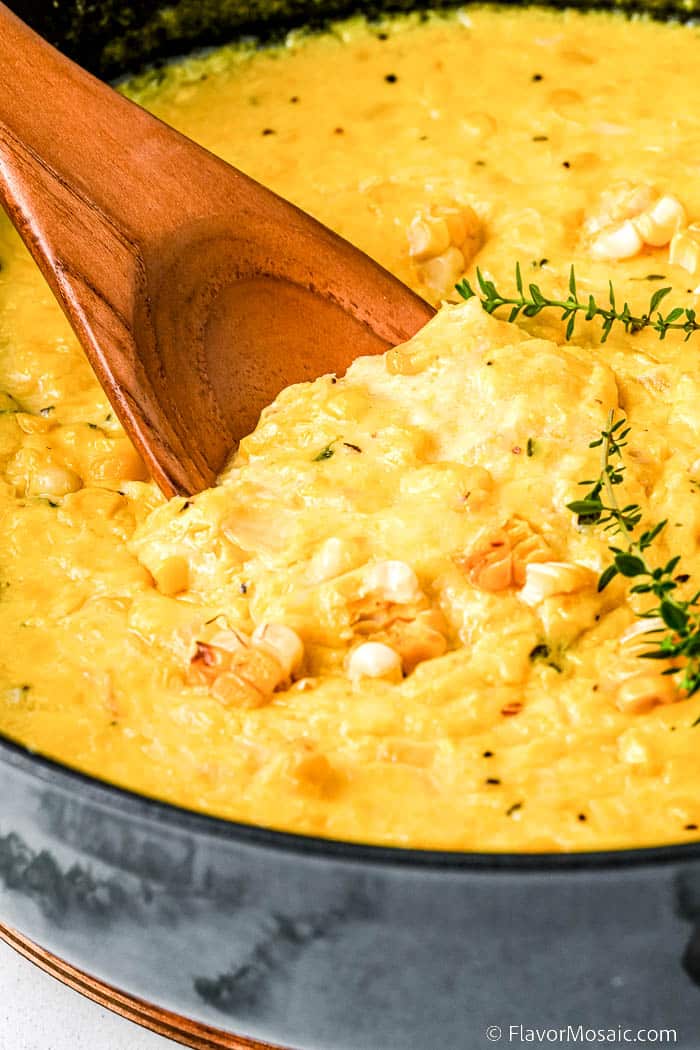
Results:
<point x="678" y="640"/>
<point x="532" y="301"/>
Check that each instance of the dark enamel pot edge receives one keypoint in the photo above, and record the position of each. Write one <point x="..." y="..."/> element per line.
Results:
<point x="110" y="37"/>
<point x="316" y="944"/>
<point x="128" y="803"/>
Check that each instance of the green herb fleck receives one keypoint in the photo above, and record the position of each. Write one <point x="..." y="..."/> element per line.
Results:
<point x="326" y="452"/>
<point x="530" y="447"/>
<point x="543" y="654"/>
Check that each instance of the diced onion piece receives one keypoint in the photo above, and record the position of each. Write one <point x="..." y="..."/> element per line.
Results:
<point x="395" y="581"/>
<point x="375" y="660"/>
<point x="642" y="627"/>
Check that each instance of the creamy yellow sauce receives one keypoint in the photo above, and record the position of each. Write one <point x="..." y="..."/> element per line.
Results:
<point x="505" y="729"/>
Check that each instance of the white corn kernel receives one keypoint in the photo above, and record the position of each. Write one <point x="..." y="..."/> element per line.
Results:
<point x="657" y="224"/>
<point x="544" y="579"/>
<point x="395" y="581"/>
<point x="333" y="558"/>
<point x="374" y="660"/>
<point x="442" y="273"/>
<point x="684" y="249"/>
<point x="624" y="201"/>
<point x="620" y="242"/>
<point x="54" y="481"/>
<point x="284" y="644"/>
<point x="427" y="237"/>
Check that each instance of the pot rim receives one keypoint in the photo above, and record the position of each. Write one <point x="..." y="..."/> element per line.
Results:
<point x="130" y="804"/>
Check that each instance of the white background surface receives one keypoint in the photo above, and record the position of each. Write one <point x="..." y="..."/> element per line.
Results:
<point x="38" y="1013"/>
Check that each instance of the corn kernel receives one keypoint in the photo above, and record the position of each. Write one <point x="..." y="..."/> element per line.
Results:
<point x="684" y="249"/>
<point x="395" y="581"/>
<point x="282" y="642"/>
<point x="172" y="576"/>
<point x="53" y="481"/>
<point x="374" y="660"/>
<point x="658" y="223"/>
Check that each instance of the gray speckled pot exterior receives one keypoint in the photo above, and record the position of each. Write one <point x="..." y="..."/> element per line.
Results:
<point x="322" y="946"/>
<point x="316" y="945"/>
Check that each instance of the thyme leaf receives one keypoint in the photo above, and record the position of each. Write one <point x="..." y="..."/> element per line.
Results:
<point x="326" y="452"/>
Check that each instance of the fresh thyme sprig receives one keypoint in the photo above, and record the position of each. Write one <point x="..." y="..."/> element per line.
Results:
<point x="679" y="639"/>
<point x="531" y="301"/>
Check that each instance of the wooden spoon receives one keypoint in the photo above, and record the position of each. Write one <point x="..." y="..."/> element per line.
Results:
<point x="197" y="293"/>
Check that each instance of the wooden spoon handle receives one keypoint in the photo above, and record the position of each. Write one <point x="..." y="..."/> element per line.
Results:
<point x="85" y="134"/>
<point x="197" y="293"/>
<point x="62" y="136"/>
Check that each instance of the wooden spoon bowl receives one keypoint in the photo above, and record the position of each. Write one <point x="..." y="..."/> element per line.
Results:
<point x="197" y="293"/>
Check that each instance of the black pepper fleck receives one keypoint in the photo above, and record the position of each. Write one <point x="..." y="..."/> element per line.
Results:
<point x="487" y="754"/>
<point x="691" y="827"/>
<point x="268" y="131"/>
<point x="243" y="588"/>
<point x="391" y="78"/>
<point x="492" y="780"/>
<point x="566" y="164"/>
<point x="537" y="76"/>
<point x="582" y="817"/>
